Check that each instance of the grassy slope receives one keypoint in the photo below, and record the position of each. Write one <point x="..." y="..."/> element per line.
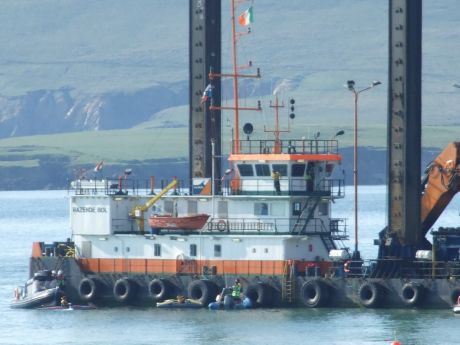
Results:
<point x="119" y="146"/>
<point x="92" y="46"/>
<point x="123" y="146"/>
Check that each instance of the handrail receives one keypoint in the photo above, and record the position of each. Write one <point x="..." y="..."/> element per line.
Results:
<point x="404" y="269"/>
<point x="298" y="146"/>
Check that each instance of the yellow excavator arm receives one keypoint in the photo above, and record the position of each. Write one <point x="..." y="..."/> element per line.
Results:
<point x="441" y="184"/>
<point x="137" y="212"/>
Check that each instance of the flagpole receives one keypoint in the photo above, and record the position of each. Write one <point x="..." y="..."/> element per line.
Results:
<point x="236" y="142"/>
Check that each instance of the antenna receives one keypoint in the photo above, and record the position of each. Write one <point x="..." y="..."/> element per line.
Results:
<point x="277" y="131"/>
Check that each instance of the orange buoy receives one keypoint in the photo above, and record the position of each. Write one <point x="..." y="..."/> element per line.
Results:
<point x="395" y="343"/>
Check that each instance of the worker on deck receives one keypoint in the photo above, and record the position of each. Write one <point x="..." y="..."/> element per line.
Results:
<point x="64" y="302"/>
<point x="236" y="290"/>
<point x="309" y="177"/>
<point x="60" y="279"/>
<point x="276" y="181"/>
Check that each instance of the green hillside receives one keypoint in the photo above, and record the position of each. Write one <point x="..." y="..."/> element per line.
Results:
<point x="98" y="58"/>
<point x="123" y="147"/>
<point x="92" y="46"/>
<point x="96" y="46"/>
<point x="120" y="146"/>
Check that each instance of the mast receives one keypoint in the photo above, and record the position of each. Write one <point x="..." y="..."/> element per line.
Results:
<point x="236" y="141"/>
<point x="235" y="75"/>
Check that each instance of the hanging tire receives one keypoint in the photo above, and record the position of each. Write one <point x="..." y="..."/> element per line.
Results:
<point x="260" y="294"/>
<point x="160" y="289"/>
<point x="124" y="290"/>
<point x="89" y="290"/>
<point x="411" y="294"/>
<point x="204" y="291"/>
<point x="314" y="294"/>
<point x="370" y="295"/>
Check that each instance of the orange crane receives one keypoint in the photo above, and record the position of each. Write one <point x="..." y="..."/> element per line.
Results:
<point x="440" y="184"/>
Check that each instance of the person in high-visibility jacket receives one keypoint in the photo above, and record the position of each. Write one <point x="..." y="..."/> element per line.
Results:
<point x="276" y="181"/>
<point x="236" y="290"/>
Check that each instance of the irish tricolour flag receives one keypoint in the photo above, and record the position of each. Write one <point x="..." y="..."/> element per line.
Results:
<point x="246" y="18"/>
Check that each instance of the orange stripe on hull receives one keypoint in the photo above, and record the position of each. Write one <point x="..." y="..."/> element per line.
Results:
<point x="236" y="267"/>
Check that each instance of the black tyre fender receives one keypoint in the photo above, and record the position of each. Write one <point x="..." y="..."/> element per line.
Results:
<point x="260" y="294"/>
<point x="370" y="295"/>
<point x="160" y="289"/>
<point x="314" y="293"/>
<point x="204" y="291"/>
<point x="124" y="290"/>
<point x="411" y="294"/>
<point x="89" y="289"/>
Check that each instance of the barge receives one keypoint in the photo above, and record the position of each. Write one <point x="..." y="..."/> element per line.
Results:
<point x="266" y="221"/>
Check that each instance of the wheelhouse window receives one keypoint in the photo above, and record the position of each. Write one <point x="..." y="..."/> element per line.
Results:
<point x="217" y="250"/>
<point x="261" y="209"/>
<point x="262" y="170"/>
<point x="281" y="168"/>
<point x="157" y="249"/>
<point x="245" y="170"/>
<point x="193" y="250"/>
<point x="297" y="170"/>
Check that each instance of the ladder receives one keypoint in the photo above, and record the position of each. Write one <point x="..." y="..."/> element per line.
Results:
<point x="313" y="203"/>
<point x="288" y="284"/>
<point x="328" y="242"/>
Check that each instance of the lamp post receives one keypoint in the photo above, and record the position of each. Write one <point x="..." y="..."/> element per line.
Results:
<point x="351" y="86"/>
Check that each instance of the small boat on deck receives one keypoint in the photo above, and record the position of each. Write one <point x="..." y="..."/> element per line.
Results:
<point x="169" y="222"/>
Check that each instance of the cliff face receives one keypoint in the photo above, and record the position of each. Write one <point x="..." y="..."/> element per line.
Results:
<point x="65" y="110"/>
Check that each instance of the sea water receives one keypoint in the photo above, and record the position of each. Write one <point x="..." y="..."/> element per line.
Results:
<point x="43" y="216"/>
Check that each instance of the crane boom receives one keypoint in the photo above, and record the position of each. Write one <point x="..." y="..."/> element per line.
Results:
<point x="441" y="184"/>
<point x="137" y="212"/>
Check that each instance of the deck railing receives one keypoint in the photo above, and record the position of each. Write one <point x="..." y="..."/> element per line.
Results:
<point x="397" y="268"/>
<point x="260" y="225"/>
<point x="334" y="188"/>
<point x="299" y="146"/>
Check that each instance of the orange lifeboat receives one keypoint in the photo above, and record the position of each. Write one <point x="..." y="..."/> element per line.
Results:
<point x="169" y="222"/>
